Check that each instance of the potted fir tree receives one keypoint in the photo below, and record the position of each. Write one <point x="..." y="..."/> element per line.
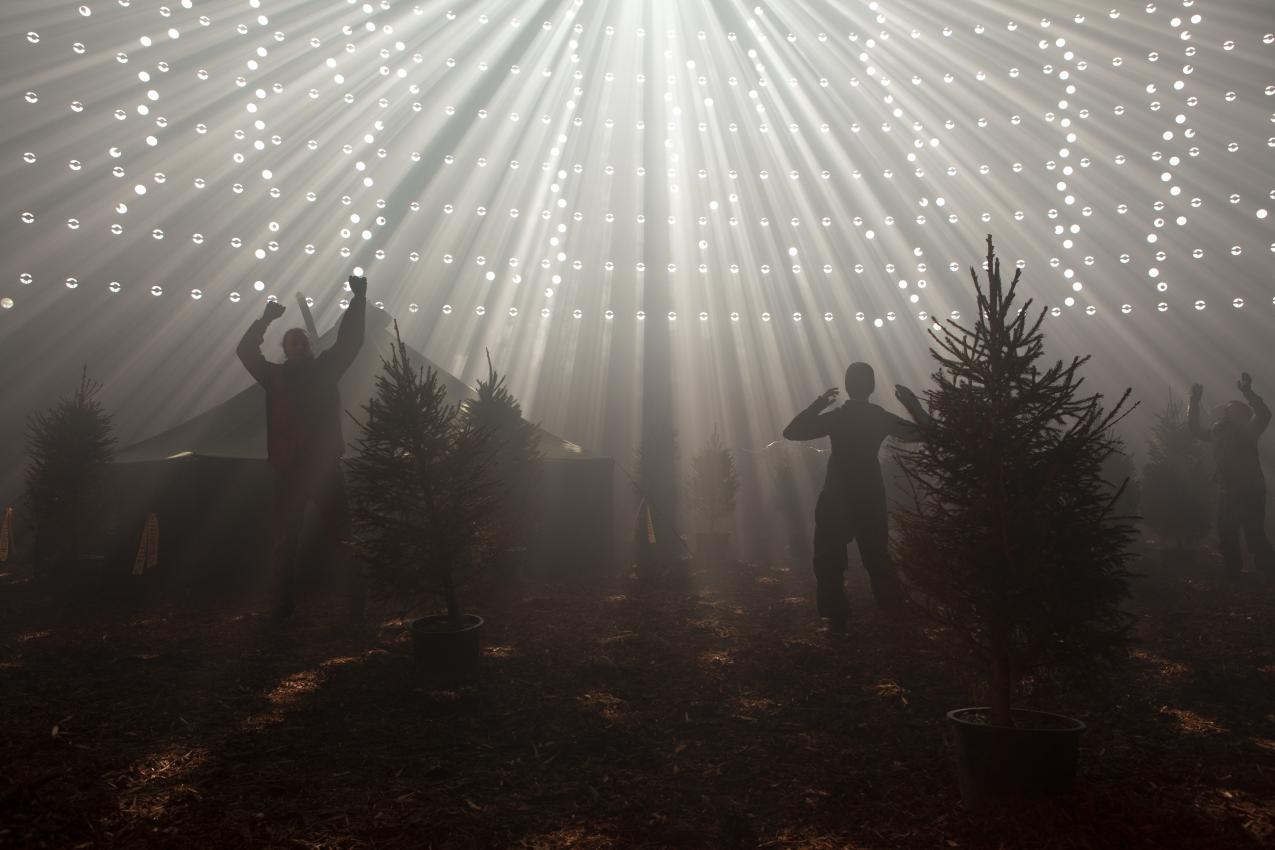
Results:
<point x="657" y="545"/>
<point x="515" y="467"/>
<point x="714" y="484"/>
<point x="68" y="445"/>
<point x="1179" y="489"/>
<point x="1012" y="543"/>
<point x="422" y="505"/>
<point x="1120" y="471"/>
<point x="788" y="468"/>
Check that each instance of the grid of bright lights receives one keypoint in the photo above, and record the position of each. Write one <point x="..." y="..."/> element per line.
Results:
<point x="818" y="163"/>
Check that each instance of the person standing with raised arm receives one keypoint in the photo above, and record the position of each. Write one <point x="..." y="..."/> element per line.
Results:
<point x="303" y="437"/>
<point x="852" y="504"/>
<point x="1241" y="485"/>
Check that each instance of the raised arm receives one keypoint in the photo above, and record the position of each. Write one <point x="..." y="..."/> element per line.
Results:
<point x="811" y="423"/>
<point x="1261" y="413"/>
<point x="901" y="429"/>
<point x="1193" y="414"/>
<point x="349" y="336"/>
<point x="249" y="348"/>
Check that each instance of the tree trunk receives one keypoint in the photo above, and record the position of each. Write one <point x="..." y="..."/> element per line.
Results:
<point x="76" y="523"/>
<point x="449" y="593"/>
<point x="1001" y="688"/>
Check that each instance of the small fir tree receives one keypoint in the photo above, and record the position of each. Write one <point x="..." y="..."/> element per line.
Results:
<point x="789" y="473"/>
<point x="516" y="461"/>
<point x="422" y="501"/>
<point x="1121" y="475"/>
<point x="1177" y="503"/>
<point x="1013" y="543"/>
<point x="714" y="482"/>
<point x="68" y="445"/>
<point x="655" y="539"/>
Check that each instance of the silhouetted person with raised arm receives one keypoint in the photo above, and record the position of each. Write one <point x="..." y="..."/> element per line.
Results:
<point x="852" y="503"/>
<point x="1241" y="485"/>
<point x="303" y="437"/>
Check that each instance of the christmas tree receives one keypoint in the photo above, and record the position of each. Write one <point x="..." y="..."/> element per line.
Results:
<point x="516" y="461"/>
<point x="1177" y="502"/>
<point x="1121" y="474"/>
<point x="67" y="446"/>
<point x="714" y="482"/>
<point x="422" y="502"/>
<point x="1013" y="543"/>
<point x="656" y="539"/>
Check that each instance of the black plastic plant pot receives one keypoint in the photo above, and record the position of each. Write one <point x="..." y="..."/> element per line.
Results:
<point x="445" y="649"/>
<point x="1034" y="758"/>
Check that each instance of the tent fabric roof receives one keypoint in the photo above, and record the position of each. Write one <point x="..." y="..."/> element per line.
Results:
<point x="237" y="427"/>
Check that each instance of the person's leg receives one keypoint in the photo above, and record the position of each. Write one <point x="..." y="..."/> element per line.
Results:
<point x="334" y="534"/>
<point x="832" y="534"/>
<point x="285" y="529"/>
<point x="1253" y="521"/>
<point x="1228" y="533"/>
<point x="873" y="534"/>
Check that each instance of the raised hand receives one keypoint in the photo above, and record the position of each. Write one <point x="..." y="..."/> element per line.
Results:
<point x="906" y="397"/>
<point x="1245" y="383"/>
<point x="828" y="397"/>
<point x="273" y="311"/>
<point x="358" y="285"/>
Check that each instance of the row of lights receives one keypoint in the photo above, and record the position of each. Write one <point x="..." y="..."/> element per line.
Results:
<point x="734" y="268"/>
<point x="115" y="287"/>
<point x="483" y="18"/>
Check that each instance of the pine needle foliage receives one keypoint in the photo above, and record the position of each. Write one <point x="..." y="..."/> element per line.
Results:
<point x="422" y="503"/>
<point x="714" y="482"/>
<point x="1177" y="502"/>
<point x="788" y="469"/>
<point x="67" y="446"/>
<point x="1120" y="471"/>
<point x="1013" y="543"/>
<point x="516" y="461"/>
<point x="655" y="484"/>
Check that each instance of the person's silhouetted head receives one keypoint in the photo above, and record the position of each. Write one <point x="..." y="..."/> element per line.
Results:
<point x="860" y="381"/>
<point x="296" y="344"/>
<point x="1236" y="412"/>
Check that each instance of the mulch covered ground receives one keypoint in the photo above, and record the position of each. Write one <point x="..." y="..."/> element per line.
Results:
<point x="698" y="710"/>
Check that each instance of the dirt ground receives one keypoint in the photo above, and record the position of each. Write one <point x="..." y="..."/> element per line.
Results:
<point x="701" y="709"/>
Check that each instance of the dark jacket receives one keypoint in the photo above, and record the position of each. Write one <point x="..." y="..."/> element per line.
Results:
<point x="1239" y="467"/>
<point x="857" y="429"/>
<point x="303" y="404"/>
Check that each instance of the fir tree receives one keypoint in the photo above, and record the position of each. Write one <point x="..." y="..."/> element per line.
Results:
<point x="1013" y="543"/>
<point x="1178" y="498"/>
<point x="714" y="481"/>
<point x="516" y="461"/>
<point x="656" y="540"/>
<point x="789" y="468"/>
<point x="1121" y="475"/>
<point x="67" y="445"/>
<point x="422" y="503"/>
